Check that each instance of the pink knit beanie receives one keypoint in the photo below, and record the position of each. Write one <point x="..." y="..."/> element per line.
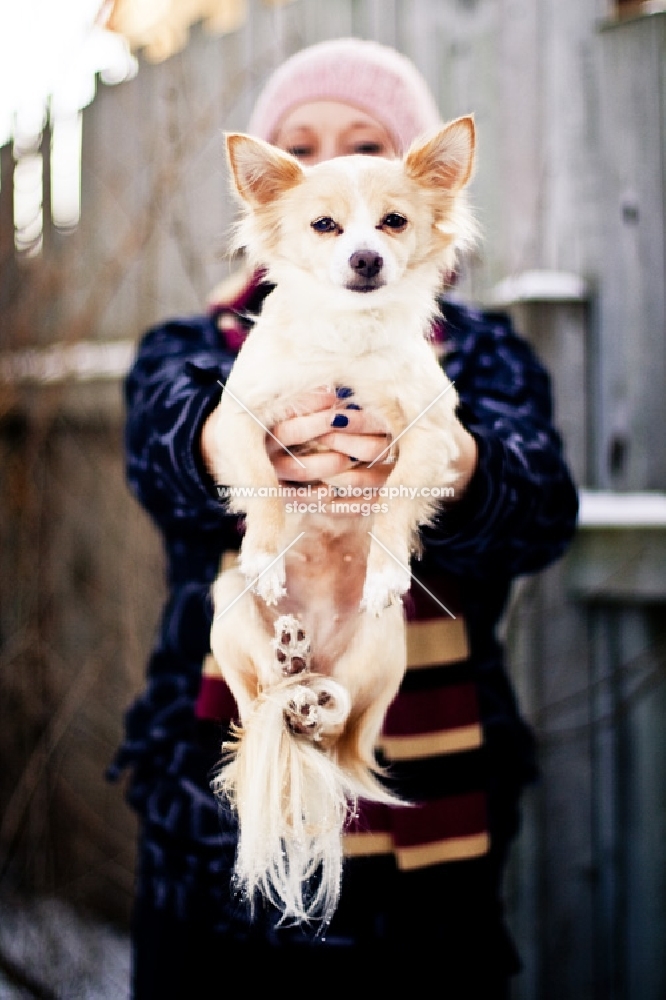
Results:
<point x="366" y="75"/>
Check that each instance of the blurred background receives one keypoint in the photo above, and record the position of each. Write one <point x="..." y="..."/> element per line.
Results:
<point x="114" y="214"/>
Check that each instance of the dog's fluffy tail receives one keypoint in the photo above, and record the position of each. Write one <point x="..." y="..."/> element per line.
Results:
<point x="291" y="797"/>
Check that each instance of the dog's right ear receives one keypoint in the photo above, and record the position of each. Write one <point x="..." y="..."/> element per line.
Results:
<point x="261" y="172"/>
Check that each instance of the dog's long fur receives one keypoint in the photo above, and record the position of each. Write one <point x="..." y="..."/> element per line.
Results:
<point x="313" y="678"/>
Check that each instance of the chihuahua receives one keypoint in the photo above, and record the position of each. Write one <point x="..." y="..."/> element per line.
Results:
<point x="357" y="248"/>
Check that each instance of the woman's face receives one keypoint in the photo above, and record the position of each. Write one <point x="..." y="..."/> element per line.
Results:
<point x="321" y="130"/>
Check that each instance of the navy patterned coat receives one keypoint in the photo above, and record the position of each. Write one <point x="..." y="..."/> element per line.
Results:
<point x="516" y="517"/>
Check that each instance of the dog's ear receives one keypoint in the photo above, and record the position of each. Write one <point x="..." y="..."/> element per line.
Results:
<point x="260" y="172"/>
<point x="446" y="159"/>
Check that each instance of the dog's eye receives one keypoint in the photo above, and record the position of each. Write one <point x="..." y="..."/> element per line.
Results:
<point x="325" y="225"/>
<point x="393" y="221"/>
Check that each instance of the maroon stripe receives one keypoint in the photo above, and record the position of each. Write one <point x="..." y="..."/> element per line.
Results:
<point x="424" y="822"/>
<point x="420" y="606"/>
<point x="235" y="337"/>
<point x="417" y="712"/>
<point x="215" y="701"/>
<point x="441" y="819"/>
<point x="370" y="817"/>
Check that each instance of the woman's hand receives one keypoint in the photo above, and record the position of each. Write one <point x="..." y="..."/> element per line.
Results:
<point x="351" y="439"/>
<point x="345" y="436"/>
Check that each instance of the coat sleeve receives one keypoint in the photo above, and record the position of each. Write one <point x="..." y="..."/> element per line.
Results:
<point x="519" y="511"/>
<point x="175" y="382"/>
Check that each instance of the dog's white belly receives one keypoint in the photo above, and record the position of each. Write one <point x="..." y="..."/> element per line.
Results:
<point x="325" y="573"/>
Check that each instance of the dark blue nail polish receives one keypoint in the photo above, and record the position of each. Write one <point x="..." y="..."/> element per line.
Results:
<point x="339" y="420"/>
<point x="352" y="406"/>
<point x="344" y="392"/>
<point x="352" y="459"/>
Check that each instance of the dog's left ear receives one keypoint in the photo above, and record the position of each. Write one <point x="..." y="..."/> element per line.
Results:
<point x="260" y="172"/>
<point x="447" y="158"/>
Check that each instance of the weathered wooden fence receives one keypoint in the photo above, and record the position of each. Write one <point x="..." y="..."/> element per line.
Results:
<point x="570" y="193"/>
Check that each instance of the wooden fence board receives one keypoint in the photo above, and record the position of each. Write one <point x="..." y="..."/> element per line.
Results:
<point x="632" y="347"/>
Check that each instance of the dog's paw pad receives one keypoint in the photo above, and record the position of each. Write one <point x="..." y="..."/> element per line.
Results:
<point x="317" y="710"/>
<point x="302" y="713"/>
<point x="291" y="645"/>
<point x="334" y="703"/>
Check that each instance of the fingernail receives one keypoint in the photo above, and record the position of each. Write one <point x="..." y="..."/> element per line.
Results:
<point x="352" y="406"/>
<point x="339" y="420"/>
<point x="352" y="459"/>
<point x="344" y="392"/>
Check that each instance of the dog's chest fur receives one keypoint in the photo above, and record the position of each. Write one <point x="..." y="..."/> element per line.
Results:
<point x="301" y="343"/>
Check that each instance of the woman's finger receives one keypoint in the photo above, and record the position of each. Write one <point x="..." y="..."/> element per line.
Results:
<point x="361" y="447"/>
<point x="298" y="425"/>
<point x="310" y="468"/>
<point x="299" y="429"/>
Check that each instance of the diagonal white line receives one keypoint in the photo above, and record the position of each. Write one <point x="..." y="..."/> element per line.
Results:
<point x="236" y="400"/>
<point x="390" y="445"/>
<point x="251" y="585"/>
<point x="414" y="578"/>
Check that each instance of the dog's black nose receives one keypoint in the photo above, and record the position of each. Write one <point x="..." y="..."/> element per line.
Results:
<point x="366" y="263"/>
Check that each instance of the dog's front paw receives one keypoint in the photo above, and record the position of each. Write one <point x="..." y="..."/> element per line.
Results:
<point x="270" y="586"/>
<point x="266" y="573"/>
<point x="383" y="588"/>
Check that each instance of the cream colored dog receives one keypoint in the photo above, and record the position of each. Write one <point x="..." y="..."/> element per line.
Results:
<point x="357" y="248"/>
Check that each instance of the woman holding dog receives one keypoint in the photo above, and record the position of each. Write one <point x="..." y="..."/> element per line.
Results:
<point x="421" y="891"/>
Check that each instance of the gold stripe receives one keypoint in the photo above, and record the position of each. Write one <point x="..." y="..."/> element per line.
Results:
<point x="431" y="643"/>
<point x="229" y="560"/>
<point x="359" y="845"/>
<point x="432" y="744"/>
<point x="210" y="667"/>
<point x="453" y="849"/>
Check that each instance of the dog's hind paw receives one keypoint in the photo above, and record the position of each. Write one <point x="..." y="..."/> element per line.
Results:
<point x="302" y="713"/>
<point x="318" y="710"/>
<point x="291" y="645"/>
<point x="334" y="703"/>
